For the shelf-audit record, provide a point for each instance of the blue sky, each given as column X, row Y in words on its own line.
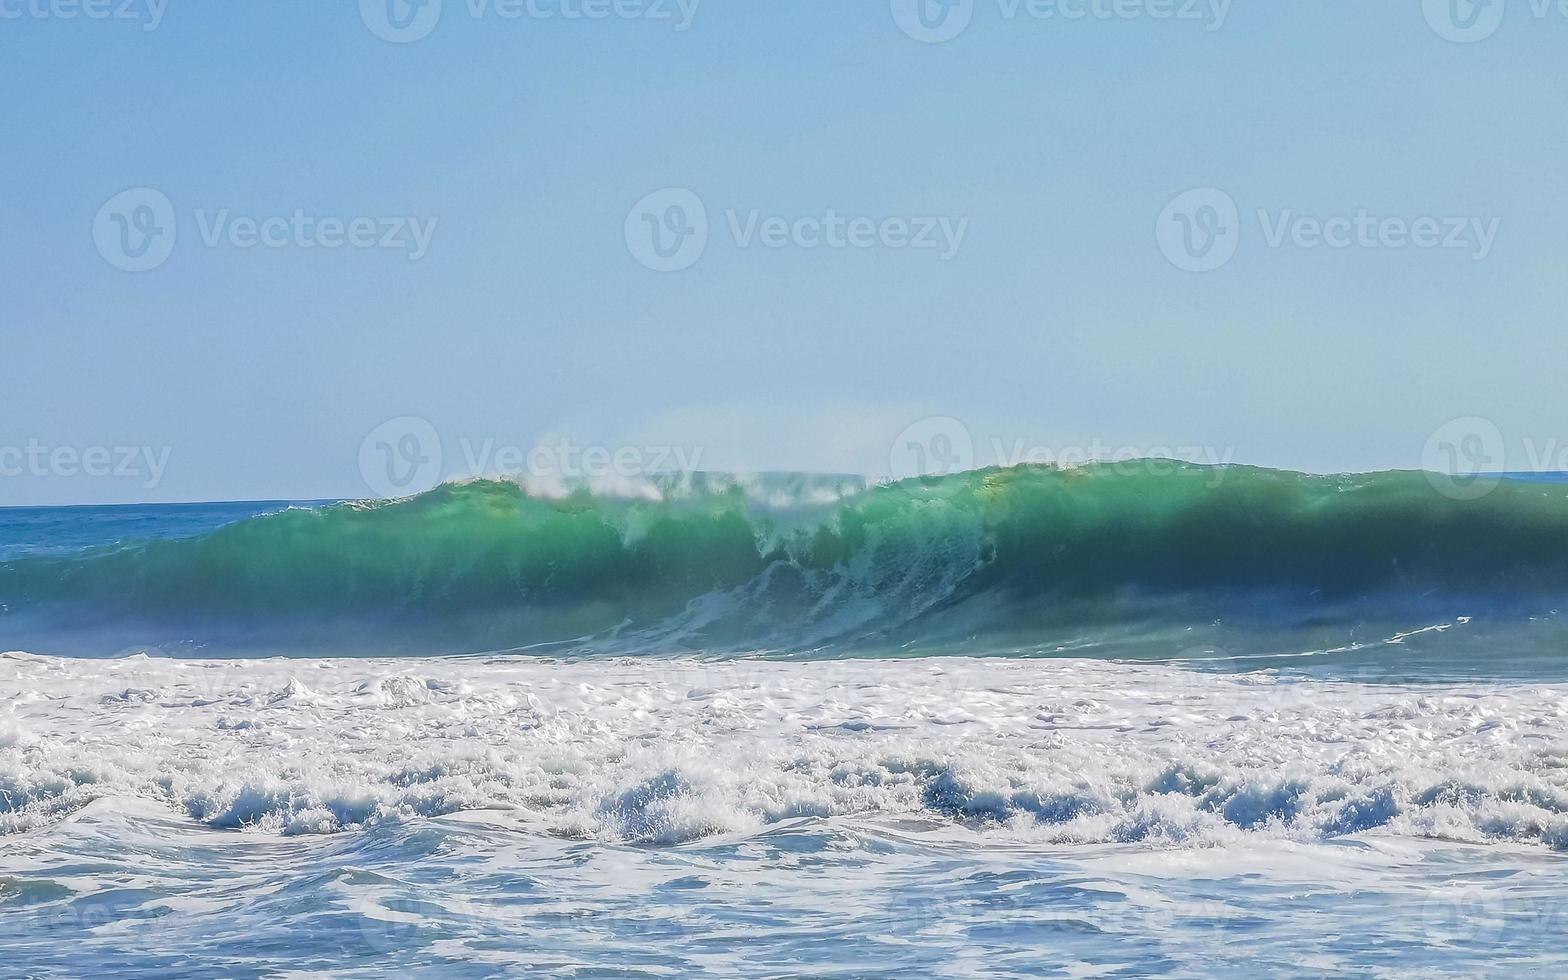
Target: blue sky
column 521, row 145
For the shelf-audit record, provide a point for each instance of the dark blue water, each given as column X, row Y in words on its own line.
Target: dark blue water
column 33, row 531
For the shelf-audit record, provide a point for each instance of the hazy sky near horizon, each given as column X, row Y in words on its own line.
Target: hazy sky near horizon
column 772, row 236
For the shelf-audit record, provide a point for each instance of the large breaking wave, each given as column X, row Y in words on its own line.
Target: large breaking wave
column 1009, row 557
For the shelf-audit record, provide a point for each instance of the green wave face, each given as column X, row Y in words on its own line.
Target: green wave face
column 717, row 566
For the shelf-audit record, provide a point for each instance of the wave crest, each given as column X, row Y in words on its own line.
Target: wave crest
column 722, row 564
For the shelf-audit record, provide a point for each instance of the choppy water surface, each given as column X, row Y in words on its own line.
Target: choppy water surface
column 957, row 816
column 124, row 889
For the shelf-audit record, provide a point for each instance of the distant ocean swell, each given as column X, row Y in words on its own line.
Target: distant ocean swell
column 723, row 565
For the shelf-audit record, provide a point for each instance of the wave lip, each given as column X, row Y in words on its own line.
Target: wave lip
column 723, row 564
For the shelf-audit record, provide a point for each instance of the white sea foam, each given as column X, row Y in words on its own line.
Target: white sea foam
column 664, row 751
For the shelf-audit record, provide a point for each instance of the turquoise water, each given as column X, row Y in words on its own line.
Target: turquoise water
column 1120, row 561
column 1014, row 723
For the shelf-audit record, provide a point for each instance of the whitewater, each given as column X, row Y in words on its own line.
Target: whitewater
column 1011, row 723
column 1120, row 816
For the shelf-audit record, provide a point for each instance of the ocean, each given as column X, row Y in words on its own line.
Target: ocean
column 1121, row 720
